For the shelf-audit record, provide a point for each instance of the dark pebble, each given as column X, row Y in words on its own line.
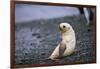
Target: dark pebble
column 34, row 34
column 20, row 63
column 23, row 61
column 38, row 36
column 43, row 54
column 32, row 44
column 89, row 29
column 26, row 53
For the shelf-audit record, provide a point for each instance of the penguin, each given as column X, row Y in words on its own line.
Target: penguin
column 68, row 41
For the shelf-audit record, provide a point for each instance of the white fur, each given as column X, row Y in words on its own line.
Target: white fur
column 68, row 37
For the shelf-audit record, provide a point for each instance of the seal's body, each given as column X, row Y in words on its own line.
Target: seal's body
column 67, row 45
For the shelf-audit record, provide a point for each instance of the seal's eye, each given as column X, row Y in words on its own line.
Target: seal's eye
column 64, row 26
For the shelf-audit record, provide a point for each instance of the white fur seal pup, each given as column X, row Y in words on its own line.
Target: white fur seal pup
column 67, row 45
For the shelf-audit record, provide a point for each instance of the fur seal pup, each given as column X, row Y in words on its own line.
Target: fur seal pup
column 67, row 44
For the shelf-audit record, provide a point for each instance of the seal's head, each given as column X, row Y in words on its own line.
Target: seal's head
column 65, row 27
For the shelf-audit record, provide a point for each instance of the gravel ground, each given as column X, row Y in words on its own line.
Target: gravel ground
column 35, row 41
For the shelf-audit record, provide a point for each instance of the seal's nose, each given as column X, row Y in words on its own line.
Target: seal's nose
column 60, row 28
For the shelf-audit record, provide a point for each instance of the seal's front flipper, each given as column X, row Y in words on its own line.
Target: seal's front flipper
column 62, row 49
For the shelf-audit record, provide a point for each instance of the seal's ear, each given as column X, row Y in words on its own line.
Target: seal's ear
column 68, row 28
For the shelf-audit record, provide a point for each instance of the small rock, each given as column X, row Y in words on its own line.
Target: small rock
column 38, row 36
column 34, row 34
column 89, row 29
column 42, row 53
